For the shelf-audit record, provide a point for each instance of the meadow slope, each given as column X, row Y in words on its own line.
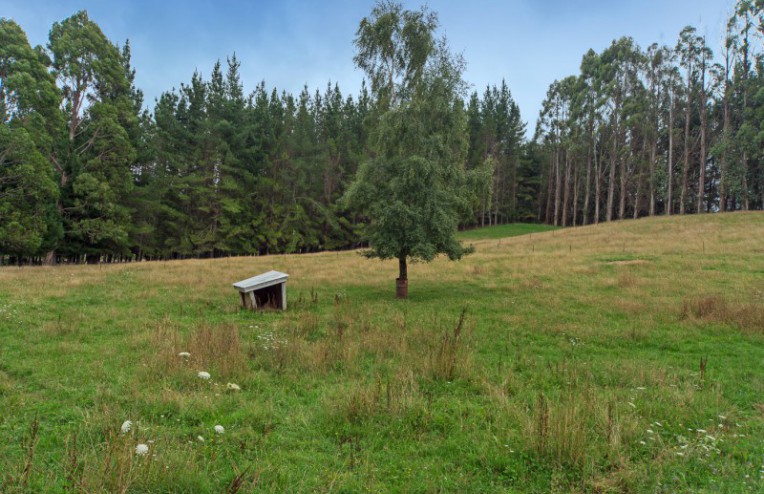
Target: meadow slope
column 623, row 357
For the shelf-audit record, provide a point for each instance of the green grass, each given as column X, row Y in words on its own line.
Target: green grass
column 577, row 368
column 504, row 231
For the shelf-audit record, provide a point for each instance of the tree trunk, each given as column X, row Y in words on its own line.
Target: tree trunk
column 576, row 178
column 548, row 212
column 670, row 164
column 587, row 186
column 402, row 283
column 686, row 166
column 653, row 158
column 622, row 194
column 566, row 192
column 703, row 126
column 723, row 161
column 744, row 185
column 635, row 214
column 557, row 186
column 613, row 158
column 597, row 185
column 611, row 182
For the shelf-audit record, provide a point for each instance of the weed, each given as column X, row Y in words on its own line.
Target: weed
column 449, row 354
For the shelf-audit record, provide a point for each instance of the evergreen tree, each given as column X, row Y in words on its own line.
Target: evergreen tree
column 28, row 116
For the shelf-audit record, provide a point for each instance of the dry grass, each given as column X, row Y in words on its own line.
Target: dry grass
column 213, row 348
column 716, row 308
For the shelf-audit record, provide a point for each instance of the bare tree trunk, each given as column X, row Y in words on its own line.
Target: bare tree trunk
column 703, row 127
column 622, row 198
column 723, row 161
column 566, row 193
column 635, row 215
column 597, row 185
column 638, row 193
column 611, row 178
column 670, row 164
column 686, row 165
column 402, row 282
column 744, row 185
column 557, row 186
column 549, row 186
column 587, row 186
column 576, row 186
column 653, row 158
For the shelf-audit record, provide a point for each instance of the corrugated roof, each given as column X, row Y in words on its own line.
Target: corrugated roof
column 261, row 281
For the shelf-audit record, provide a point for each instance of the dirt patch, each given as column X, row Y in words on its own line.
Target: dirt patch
column 628, row 263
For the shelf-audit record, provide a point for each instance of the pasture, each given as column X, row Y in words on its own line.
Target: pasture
column 623, row 357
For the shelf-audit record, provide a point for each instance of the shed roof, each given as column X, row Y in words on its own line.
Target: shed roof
column 261, row 281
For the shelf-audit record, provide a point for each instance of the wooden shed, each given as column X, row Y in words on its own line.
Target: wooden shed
column 264, row 291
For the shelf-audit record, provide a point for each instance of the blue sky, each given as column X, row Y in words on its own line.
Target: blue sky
column 291, row 43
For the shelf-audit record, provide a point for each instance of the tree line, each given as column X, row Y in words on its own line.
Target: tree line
column 662, row 130
column 87, row 173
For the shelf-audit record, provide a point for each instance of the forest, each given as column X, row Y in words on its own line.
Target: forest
column 89, row 173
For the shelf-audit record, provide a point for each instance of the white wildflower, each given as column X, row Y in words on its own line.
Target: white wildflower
column 200, row 439
column 679, row 453
column 643, row 443
column 700, row 431
column 126, row 426
column 204, row 375
column 650, row 431
column 184, row 354
column 142, row 450
column 219, row 429
column 233, row 387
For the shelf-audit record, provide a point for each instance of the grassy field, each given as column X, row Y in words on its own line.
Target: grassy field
column 626, row 357
column 503, row 231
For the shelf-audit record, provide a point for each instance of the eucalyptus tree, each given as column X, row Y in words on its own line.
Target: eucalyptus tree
column 705, row 57
column 549, row 131
column 588, row 106
column 656, row 68
column 414, row 187
column 670, row 82
column 393, row 47
column 747, row 14
column 723, row 80
column 687, row 49
column 619, row 78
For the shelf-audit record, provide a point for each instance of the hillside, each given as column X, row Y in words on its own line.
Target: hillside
column 623, row 357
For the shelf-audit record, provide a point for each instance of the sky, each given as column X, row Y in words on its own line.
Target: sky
column 293, row 43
